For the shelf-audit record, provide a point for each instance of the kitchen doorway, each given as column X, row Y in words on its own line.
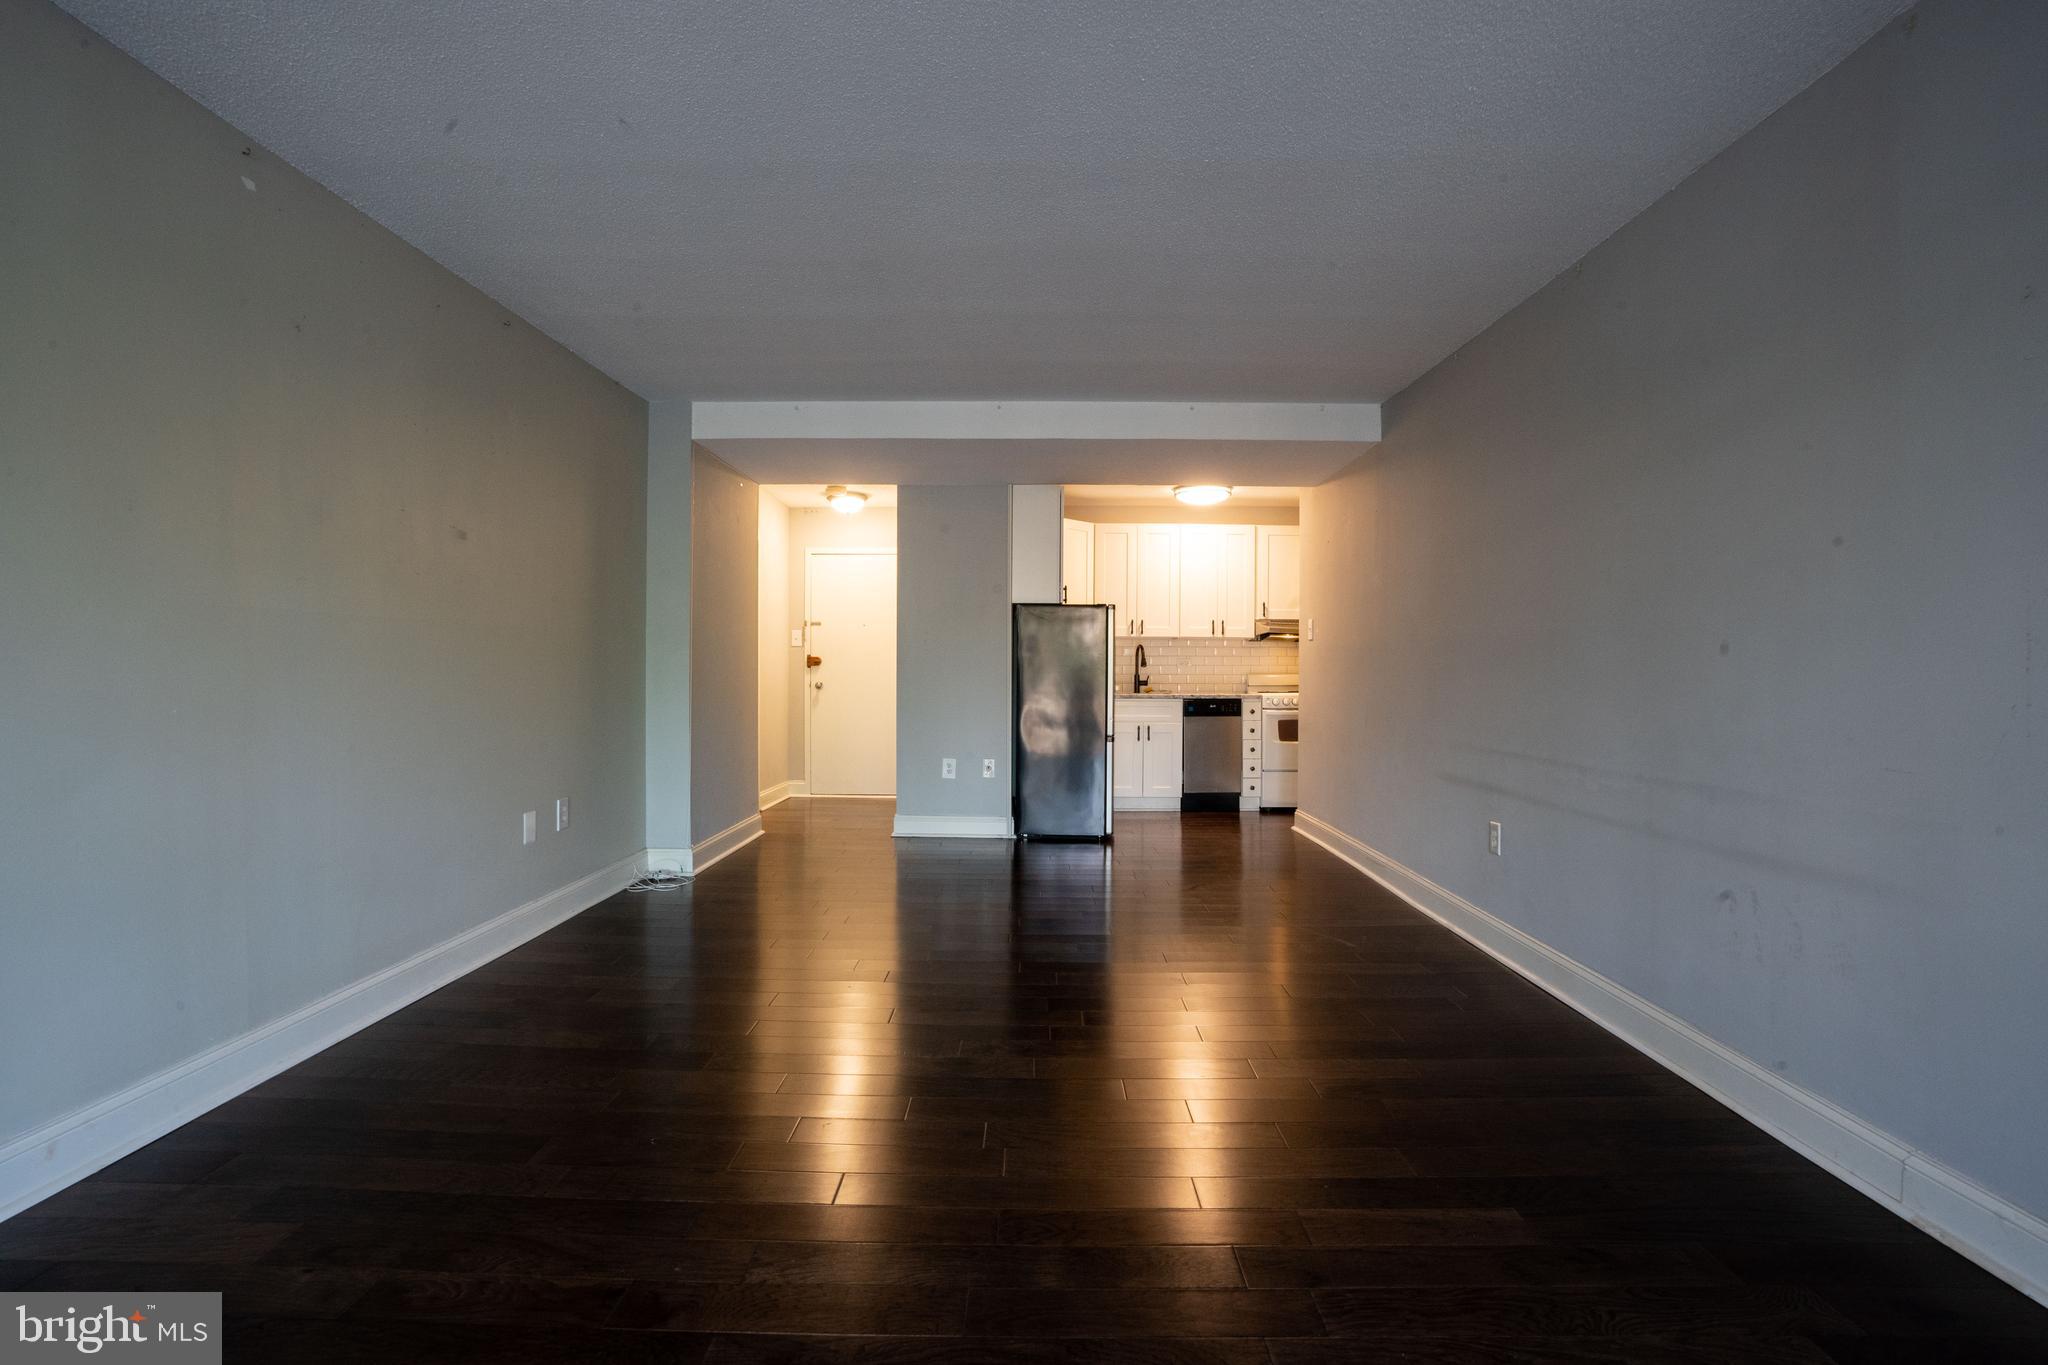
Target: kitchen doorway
column 850, row 670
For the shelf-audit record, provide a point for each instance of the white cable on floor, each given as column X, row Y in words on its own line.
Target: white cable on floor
column 661, row 879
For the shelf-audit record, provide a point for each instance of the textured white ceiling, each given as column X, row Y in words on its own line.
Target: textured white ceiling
column 1206, row 199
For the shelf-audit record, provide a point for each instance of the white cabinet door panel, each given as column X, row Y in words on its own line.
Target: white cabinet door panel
column 1127, row 760
column 1155, row 579
column 1237, row 601
column 1077, row 561
column 1279, row 553
column 1201, row 579
column 1162, row 759
column 1115, row 560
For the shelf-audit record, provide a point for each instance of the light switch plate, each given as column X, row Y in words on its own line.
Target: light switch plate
column 796, row 638
column 561, row 814
column 529, row 827
column 1493, row 837
column 1308, row 629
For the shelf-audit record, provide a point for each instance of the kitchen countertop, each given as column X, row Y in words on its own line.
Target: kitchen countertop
column 1181, row 696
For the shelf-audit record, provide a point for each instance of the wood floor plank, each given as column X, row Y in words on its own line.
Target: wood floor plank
column 1143, row 1313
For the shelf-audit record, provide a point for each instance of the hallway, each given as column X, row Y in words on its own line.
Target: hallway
column 1213, row 1089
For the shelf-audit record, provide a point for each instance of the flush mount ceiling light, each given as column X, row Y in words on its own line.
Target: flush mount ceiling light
column 1201, row 494
column 844, row 499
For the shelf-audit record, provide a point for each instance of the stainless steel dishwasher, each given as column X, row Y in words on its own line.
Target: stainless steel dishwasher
column 1210, row 746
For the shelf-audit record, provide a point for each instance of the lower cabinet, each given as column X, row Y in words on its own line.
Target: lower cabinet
column 1254, row 761
column 1147, row 755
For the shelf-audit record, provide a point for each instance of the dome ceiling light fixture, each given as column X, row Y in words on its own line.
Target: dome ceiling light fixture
column 844, row 499
column 1201, row 494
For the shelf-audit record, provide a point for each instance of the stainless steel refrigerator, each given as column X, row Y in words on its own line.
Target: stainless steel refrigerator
column 1060, row 660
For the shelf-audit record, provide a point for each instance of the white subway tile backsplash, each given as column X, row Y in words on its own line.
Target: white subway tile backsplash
column 1204, row 664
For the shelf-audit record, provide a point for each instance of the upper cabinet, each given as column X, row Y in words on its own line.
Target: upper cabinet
column 1216, row 589
column 1170, row 580
column 1279, row 572
column 1077, row 561
column 1155, row 587
column 1137, row 571
column 1115, row 564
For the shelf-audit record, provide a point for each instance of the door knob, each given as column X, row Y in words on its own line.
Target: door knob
column 812, row 661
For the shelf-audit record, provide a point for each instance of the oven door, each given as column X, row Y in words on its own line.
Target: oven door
column 1279, row 739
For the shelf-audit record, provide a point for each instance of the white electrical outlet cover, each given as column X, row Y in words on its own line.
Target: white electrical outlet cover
column 561, row 814
column 529, row 827
column 988, row 767
column 947, row 769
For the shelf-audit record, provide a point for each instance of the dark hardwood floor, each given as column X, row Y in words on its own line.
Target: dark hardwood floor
column 1212, row 1097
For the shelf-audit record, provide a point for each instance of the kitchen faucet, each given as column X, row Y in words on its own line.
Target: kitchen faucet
column 1139, row 682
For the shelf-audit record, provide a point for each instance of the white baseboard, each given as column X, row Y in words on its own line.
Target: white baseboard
column 776, row 795
column 678, row 860
column 1995, row 1233
column 729, row 840
column 38, row 1164
column 954, row 827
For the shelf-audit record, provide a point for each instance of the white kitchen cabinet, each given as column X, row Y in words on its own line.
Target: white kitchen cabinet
column 1077, row 561
column 1163, row 761
column 1216, row 581
column 1127, row 766
column 1240, row 586
column 1147, row 762
column 1137, row 571
column 1155, row 582
column 1248, row 797
column 1115, row 566
column 1279, row 572
column 1201, row 579
column 1185, row 580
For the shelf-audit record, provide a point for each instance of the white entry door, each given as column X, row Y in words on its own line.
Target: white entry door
column 850, row 696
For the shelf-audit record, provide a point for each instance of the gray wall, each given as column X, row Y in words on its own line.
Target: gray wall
column 772, row 661
column 1718, row 572
column 319, row 569
column 817, row 527
column 952, row 648
column 667, row 618
column 725, row 623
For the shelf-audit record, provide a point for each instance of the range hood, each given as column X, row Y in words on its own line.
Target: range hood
column 1276, row 628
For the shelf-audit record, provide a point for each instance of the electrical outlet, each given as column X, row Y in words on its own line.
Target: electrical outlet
column 988, row 767
column 529, row 827
column 561, row 813
column 948, row 769
column 1308, row 629
column 1493, row 837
